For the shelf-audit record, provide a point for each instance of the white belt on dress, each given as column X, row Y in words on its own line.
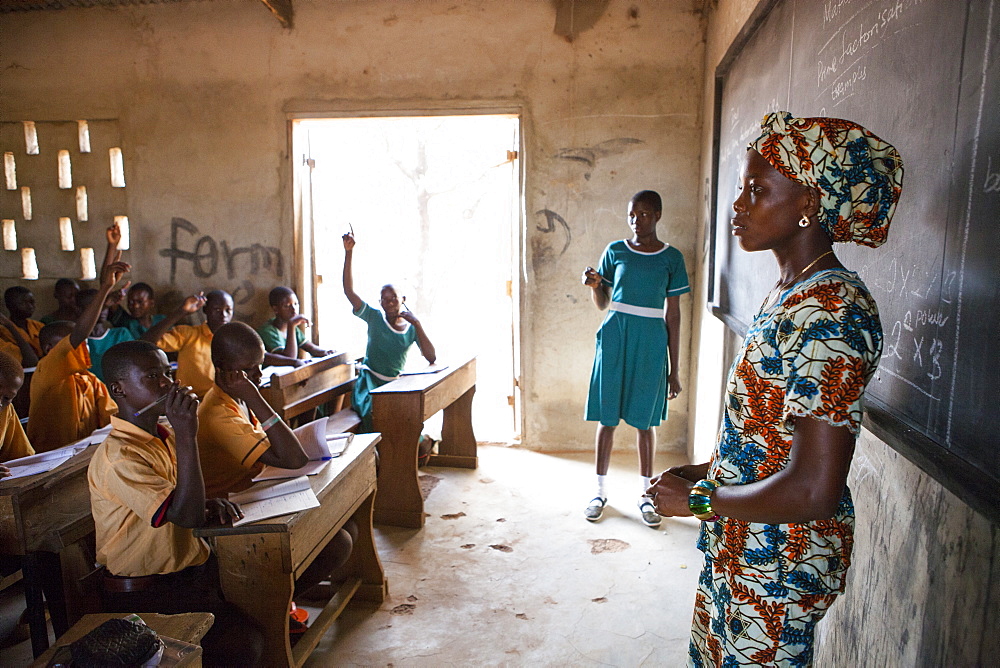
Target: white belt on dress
column 642, row 311
column 377, row 374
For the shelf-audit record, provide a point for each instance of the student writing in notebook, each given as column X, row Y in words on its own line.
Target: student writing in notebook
column 147, row 494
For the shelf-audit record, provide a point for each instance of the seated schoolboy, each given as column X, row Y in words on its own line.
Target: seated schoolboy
column 13, row 441
column 104, row 335
column 239, row 433
column 147, row 493
column 390, row 335
column 141, row 314
column 280, row 347
column 65, row 294
column 20, row 304
column 68, row 402
column 17, row 346
column 193, row 343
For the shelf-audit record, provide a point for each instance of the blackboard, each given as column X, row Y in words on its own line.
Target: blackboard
column 924, row 75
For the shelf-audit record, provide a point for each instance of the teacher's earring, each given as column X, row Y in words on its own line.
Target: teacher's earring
column 804, row 221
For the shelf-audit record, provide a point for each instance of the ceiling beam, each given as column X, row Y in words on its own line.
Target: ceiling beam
column 281, row 9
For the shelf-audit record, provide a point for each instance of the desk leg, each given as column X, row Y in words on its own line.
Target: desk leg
column 35, row 605
column 255, row 579
column 397, row 499
column 364, row 562
column 458, row 442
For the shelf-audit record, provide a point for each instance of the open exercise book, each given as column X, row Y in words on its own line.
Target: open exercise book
column 46, row 461
column 271, row 499
column 319, row 447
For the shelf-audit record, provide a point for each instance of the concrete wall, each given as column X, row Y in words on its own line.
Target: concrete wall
column 924, row 588
column 201, row 91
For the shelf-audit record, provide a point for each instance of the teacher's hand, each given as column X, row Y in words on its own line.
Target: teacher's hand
column 670, row 495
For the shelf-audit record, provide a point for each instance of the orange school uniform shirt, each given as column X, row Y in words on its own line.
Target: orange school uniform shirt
column 193, row 345
column 68, row 402
column 13, row 441
column 30, row 335
column 230, row 441
column 132, row 476
column 11, row 349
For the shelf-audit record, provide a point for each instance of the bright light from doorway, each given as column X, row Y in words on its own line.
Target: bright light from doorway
column 433, row 203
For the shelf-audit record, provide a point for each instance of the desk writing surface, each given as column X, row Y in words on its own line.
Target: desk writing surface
column 294, row 390
column 47, row 511
column 437, row 390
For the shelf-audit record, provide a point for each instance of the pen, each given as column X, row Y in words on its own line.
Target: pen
column 352, row 228
column 146, row 408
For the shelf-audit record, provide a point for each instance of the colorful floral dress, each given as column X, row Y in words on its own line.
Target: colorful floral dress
column 765, row 586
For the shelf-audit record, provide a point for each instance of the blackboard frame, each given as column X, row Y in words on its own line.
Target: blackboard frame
column 969, row 484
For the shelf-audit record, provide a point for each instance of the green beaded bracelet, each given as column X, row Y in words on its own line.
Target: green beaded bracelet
column 700, row 500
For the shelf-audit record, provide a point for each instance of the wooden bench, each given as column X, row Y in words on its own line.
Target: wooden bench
column 292, row 391
column 399, row 409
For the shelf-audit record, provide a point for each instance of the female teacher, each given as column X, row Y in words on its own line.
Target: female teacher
column 777, row 514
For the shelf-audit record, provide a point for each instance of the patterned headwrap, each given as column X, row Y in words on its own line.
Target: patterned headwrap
column 859, row 176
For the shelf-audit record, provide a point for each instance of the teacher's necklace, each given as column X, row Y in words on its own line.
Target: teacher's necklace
column 777, row 289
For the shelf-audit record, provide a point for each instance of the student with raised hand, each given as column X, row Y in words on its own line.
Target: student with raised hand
column 14, row 442
column 147, row 494
column 239, row 433
column 141, row 315
column 20, row 303
column 68, row 402
column 639, row 281
column 390, row 335
column 283, row 335
column 65, row 295
column 193, row 343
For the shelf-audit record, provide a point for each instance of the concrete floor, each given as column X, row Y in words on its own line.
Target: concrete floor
column 506, row 572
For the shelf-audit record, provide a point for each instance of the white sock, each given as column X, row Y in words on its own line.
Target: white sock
column 646, row 481
column 600, row 486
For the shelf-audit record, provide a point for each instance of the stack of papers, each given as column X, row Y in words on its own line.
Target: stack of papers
column 319, row 447
column 43, row 462
column 273, row 499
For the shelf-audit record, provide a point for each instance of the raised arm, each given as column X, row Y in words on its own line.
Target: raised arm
column 111, row 273
column 187, row 506
column 190, row 305
column 349, row 292
column 285, row 452
column 599, row 290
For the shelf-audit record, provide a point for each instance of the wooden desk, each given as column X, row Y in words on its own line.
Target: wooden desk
column 399, row 409
column 293, row 391
column 39, row 516
column 259, row 562
column 188, row 627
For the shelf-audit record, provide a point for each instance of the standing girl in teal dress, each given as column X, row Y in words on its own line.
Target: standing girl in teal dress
column 635, row 367
column 390, row 335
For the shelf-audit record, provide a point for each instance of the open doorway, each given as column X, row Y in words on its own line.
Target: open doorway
column 434, row 203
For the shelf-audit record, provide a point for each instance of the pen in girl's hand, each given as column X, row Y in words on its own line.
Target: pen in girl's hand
column 352, row 228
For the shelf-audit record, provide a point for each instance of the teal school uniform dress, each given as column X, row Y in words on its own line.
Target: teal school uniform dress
column 384, row 359
column 122, row 318
column 99, row 345
column 631, row 364
column 274, row 338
